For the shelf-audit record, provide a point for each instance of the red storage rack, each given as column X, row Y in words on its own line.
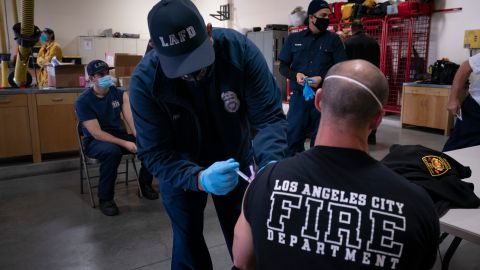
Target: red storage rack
column 404, row 49
column 404, row 54
column 394, row 56
column 419, row 53
column 374, row 27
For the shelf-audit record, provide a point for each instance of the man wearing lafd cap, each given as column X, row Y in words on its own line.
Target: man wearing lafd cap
column 204, row 105
column 308, row 55
column 99, row 110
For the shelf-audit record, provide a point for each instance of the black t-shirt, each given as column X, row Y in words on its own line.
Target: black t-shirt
column 338, row 208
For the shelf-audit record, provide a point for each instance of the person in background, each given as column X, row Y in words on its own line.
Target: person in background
column 308, row 54
column 334, row 206
column 362, row 46
column 466, row 131
column 99, row 110
column 195, row 98
column 50, row 48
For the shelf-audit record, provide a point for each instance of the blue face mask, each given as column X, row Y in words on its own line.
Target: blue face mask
column 105, row 82
column 43, row 38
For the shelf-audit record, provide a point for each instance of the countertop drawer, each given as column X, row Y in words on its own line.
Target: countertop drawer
column 7, row 101
column 56, row 98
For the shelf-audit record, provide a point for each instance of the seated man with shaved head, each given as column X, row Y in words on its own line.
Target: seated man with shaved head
column 334, row 206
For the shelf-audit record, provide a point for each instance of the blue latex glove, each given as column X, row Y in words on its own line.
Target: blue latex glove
column 220, row 178
column 307, row 90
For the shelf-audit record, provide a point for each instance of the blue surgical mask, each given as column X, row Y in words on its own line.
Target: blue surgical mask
column 43, row 38
column 105, row 82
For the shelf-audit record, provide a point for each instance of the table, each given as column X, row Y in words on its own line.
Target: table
column 463, row 223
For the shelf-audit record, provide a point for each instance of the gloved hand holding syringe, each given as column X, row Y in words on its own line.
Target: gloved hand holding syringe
column 244, row 176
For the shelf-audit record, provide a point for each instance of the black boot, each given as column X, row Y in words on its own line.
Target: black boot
column 148, row 192
column 108, row 208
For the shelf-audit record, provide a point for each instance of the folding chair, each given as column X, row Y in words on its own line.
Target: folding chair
column 86, row 162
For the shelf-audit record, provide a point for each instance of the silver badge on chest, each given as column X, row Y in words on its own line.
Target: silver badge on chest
column 231, row 101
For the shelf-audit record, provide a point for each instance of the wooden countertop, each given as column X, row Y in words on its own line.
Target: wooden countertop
column 413, row 84
column 16, row 91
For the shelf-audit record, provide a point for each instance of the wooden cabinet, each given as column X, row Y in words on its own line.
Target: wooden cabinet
column 426, row 106
column 56, row 122
column 14, row 126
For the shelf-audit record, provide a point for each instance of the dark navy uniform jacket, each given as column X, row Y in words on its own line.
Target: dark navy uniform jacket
column 363, row 46
column 183, row 126
column 312, row 55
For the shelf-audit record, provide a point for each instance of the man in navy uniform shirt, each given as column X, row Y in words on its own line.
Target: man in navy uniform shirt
column 308, row 54
column 98, row 109
column 362, row 46
column 197, row 99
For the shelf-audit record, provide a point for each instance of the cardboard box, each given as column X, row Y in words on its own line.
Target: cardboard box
column 66, row 76
column 124, row 71
column 124, row 82
column 124, row 63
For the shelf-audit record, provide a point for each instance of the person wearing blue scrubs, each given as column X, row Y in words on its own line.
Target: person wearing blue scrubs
column 308, row 54
column 204, row 105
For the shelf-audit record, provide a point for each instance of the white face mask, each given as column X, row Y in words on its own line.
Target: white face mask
column 363, row 86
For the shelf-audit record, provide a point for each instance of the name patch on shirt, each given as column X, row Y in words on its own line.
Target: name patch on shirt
column 115, row 104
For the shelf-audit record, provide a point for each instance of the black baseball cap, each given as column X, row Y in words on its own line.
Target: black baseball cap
column 316, row 5
column 180, row 36
column 48, row 30
column 96, row 66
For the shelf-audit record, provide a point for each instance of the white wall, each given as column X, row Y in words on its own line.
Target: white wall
column 447, row 29
column 250, row 13
column 71, row 18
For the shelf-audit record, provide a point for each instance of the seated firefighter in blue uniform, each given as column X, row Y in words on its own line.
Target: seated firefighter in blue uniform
column 99, row 110
column 195, row 98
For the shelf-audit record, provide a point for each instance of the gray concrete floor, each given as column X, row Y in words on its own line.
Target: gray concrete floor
column 45, row 223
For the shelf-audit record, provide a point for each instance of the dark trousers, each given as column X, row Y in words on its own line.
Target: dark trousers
column 466, row 132
column 303, row 119
column 185, row 209
column 110, row 155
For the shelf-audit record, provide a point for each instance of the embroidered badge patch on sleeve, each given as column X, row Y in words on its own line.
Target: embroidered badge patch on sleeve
column 231, row 101
column 436, row 165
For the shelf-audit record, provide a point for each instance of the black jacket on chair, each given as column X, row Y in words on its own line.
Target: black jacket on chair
column 435, row 171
